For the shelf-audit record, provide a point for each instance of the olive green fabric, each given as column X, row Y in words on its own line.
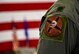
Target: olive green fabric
column 70, row 43
column 47, row 46
column 50, row 44
column 60, row 38
column 70, row 9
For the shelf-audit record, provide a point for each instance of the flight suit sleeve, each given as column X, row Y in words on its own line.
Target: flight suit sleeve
column 52, row 35
column 76, row 49
column 53, row 27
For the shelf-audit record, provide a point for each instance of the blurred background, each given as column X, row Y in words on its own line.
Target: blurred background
column 19, row 25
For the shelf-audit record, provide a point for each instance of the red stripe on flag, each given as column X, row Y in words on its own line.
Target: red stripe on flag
column 7, row 46
column 25, row 6
column 19, row 25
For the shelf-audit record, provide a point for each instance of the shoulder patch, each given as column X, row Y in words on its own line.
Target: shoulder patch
column 54, row 28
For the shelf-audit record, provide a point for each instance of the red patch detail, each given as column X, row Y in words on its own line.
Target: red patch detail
column 53, row 26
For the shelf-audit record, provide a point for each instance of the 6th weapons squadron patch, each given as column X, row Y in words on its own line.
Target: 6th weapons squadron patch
column 54, row 28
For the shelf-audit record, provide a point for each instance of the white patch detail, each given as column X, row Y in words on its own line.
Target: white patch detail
column 53, row 24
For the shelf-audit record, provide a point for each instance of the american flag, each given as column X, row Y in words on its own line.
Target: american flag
column 16, row 10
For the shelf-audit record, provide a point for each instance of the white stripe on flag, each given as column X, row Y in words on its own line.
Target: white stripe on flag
column 32, row 34
column 7, row 35
column 21, row 15
column 25, row 1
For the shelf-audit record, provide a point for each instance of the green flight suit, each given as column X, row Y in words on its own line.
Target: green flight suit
column 68, row 40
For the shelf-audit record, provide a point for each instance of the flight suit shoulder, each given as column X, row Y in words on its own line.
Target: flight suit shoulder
column 54, row 28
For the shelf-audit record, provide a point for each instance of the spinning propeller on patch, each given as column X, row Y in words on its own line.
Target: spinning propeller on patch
column 53, row 26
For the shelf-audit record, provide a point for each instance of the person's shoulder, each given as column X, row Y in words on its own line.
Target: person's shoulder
column 53, row 27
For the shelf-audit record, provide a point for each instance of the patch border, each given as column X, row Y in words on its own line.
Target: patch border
column 60, row 38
